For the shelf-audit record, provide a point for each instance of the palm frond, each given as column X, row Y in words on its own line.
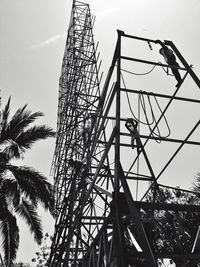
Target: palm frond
column 19, row 121
column 5, row 115
column 27, row 138
column 27, row 211
column 16, row 135
column 9, row 149
column 10, row 189
column 10, row 237
column 10, row 129
column 34, row 185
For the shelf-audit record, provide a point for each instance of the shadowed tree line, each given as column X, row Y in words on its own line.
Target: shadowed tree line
column 22, row 188
column 175, row 231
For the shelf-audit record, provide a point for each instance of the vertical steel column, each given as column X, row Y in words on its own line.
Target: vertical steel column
column 117, row 223
column 118, row 100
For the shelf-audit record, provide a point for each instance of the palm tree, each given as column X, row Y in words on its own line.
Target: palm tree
column 21, row 188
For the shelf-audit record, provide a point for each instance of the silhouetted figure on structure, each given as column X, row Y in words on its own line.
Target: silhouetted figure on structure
column 131, row 125
column 76, row 164
column 86, row 129
column 170, row 58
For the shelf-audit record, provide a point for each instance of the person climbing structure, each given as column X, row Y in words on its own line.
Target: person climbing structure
column 170, row 59
column 76, row 164
column 131, row 125
column 86, row 128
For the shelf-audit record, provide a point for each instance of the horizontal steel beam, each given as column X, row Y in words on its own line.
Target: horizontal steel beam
column 151, row 62
column 137, row 38
column 164, row 206
column 160, row 95
column 93, row 218
column 163, row 139
column 135, row 177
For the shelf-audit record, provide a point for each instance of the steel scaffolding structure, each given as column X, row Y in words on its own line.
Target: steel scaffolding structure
column 100, row 159
column 76, row 156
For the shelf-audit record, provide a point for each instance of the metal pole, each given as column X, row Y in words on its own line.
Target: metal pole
column 117, row 224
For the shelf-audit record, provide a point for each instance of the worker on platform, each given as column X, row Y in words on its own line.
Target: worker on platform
column 170, row 58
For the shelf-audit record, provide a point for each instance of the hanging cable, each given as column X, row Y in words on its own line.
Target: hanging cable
column 145, row 73
column 144, row 110
column 129, row 104
column 143, row 105
column 169, row 131
column 153, row 117
column 166, row 122
column 165, row 119
column 157, row 127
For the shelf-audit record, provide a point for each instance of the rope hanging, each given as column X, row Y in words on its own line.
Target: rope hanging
column 145, row 73
column 148, row 72
column 147, row 122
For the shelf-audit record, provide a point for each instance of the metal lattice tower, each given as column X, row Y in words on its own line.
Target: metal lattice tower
column 78, row 96
column 76, row 156
column 99, row 164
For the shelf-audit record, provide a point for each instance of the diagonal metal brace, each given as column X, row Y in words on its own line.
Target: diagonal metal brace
column 144, row 244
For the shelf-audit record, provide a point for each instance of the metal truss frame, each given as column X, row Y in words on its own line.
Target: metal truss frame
column 76, row 157
column 98, row 221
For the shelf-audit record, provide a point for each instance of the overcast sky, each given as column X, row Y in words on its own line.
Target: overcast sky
column 32, row 41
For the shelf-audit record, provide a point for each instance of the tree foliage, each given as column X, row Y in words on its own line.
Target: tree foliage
column 22, row 188
column 41, row 256
column 172, row 231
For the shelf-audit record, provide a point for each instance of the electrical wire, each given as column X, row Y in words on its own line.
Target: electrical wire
column 153, row 116
column 143, row 105
column 165, row 119
column 145, row 73
column 129, row 103
column 169, row 131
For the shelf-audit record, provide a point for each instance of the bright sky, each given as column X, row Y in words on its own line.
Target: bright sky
column 32, row 44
